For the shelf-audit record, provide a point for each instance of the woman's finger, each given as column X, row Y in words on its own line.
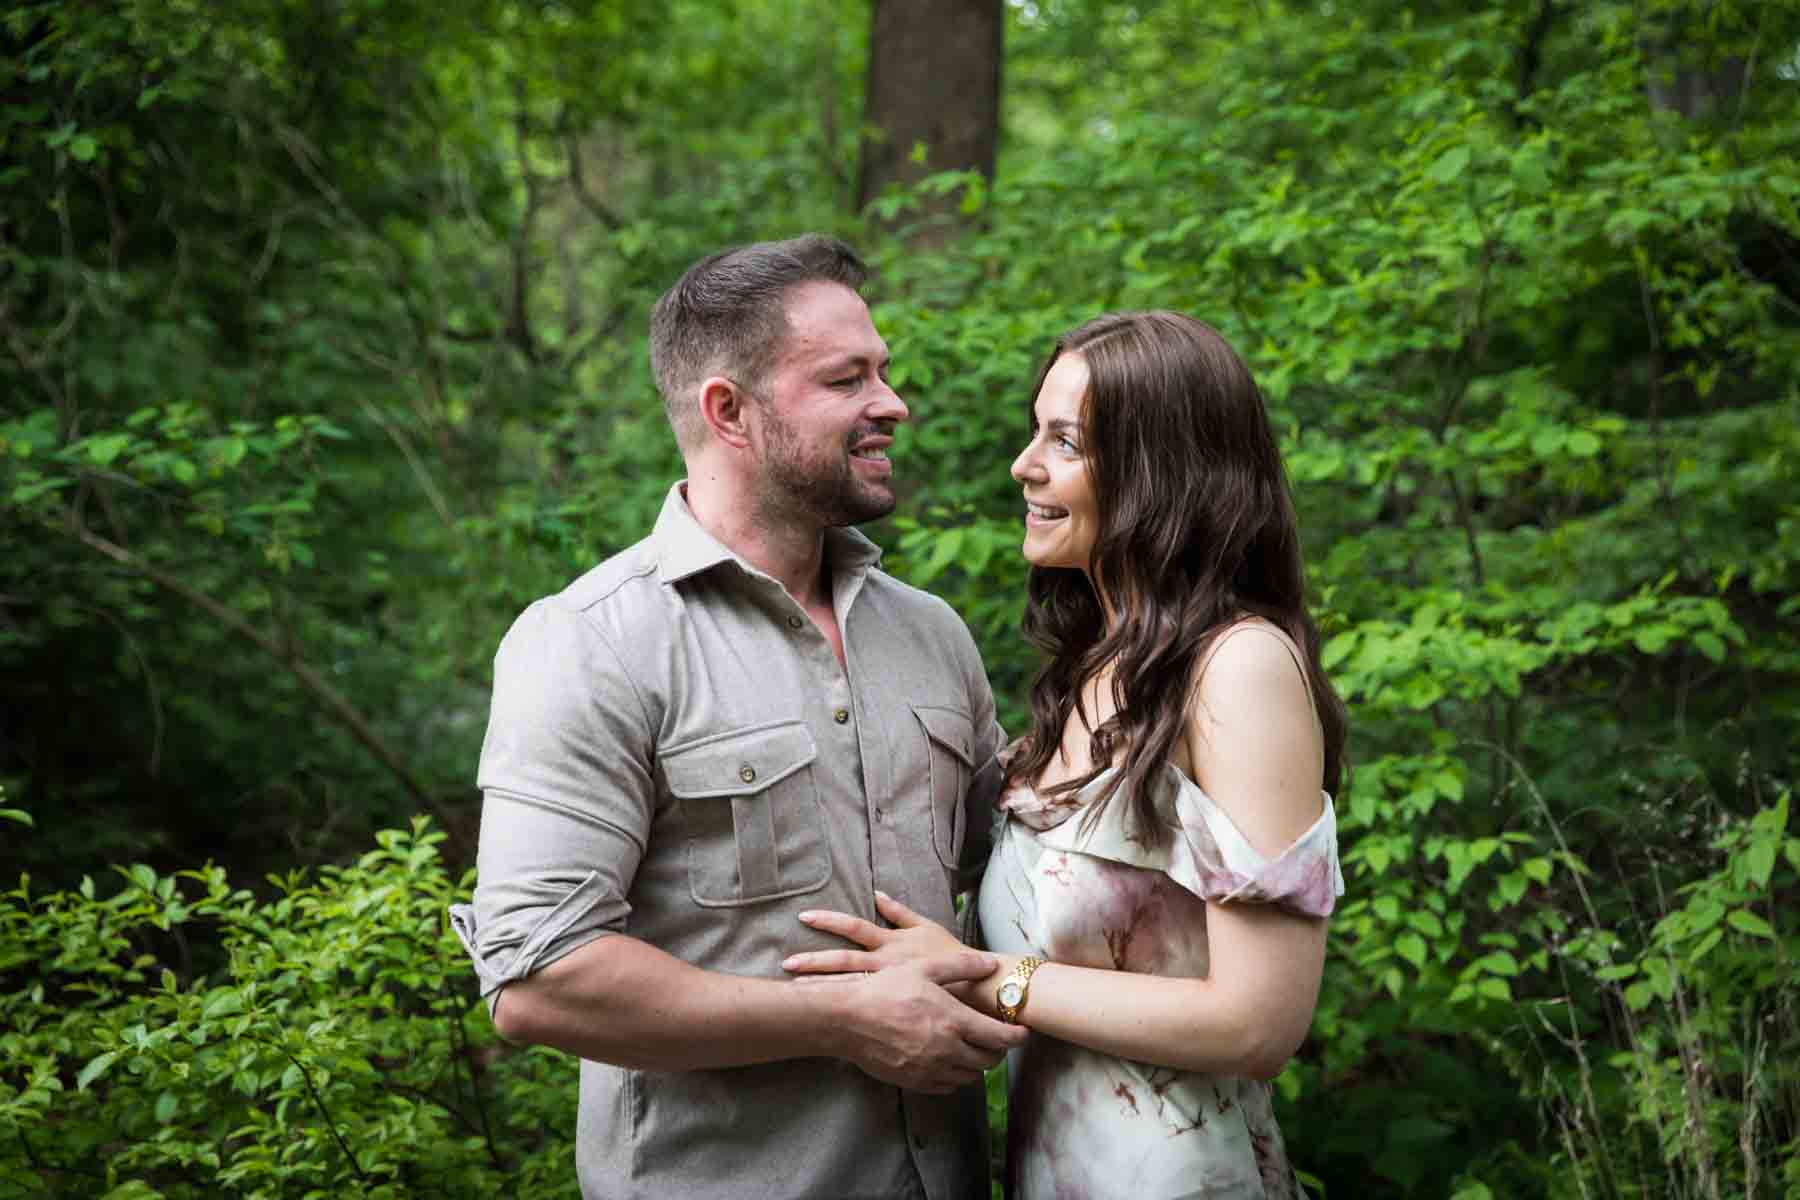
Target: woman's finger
column 898, row 915
column 864, row 933
column 830, row 962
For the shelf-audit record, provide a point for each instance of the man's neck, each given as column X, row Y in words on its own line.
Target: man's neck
column 790, row 552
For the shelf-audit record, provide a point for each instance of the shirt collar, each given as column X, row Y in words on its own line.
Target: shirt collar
column 684, row 549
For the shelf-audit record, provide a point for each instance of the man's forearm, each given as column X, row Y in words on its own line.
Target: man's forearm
column 622, row 1001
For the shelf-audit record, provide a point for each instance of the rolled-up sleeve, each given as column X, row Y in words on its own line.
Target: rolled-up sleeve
column 567, row 798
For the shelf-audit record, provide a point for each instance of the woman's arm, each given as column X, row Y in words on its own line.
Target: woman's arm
column 1255, row 749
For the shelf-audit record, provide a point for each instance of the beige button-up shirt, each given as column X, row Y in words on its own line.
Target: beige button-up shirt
column 674, row 753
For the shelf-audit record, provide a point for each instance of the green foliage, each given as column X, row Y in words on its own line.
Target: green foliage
column 336, row 1047
column 324, row 354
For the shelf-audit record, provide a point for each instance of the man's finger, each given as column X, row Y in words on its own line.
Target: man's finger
column 864, row 933
column 959, row 968
column 822, row 962
column 985, row 1033
column 970, row 1057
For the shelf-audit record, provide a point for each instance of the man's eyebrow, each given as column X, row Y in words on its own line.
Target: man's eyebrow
column 838, row 362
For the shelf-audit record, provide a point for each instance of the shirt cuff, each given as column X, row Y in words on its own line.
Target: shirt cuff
column 500, row 960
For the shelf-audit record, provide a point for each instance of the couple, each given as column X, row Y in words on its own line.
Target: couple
column 735, row 776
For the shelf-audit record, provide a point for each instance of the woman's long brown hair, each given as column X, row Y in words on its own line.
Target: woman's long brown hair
column 1196, row 528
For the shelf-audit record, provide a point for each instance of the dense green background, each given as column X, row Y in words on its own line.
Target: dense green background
column 322, row 353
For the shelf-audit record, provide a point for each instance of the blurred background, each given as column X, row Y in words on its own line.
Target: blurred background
column 322, row 353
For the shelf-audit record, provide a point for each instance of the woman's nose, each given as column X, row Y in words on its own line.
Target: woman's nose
column 1024, row 467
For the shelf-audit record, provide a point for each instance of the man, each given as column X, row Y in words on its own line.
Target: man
column 735, row 721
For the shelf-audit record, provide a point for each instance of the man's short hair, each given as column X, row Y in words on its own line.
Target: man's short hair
column 727, row 315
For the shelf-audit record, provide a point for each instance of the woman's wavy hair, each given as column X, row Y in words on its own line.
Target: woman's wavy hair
column 1196, row 527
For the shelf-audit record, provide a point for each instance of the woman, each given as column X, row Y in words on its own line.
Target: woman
column 1158, row 890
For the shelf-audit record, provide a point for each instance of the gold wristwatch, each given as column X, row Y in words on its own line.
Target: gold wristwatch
column 1009, row 997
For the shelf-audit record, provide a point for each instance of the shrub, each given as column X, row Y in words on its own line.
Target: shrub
column 181, row 1037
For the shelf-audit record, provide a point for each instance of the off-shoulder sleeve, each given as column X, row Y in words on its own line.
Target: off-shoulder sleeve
column 1212, row 859
column 1207, row 854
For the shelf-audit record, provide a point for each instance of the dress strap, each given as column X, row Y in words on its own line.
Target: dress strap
column 1280, row 635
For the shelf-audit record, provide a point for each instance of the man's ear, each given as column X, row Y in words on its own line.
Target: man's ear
column 725, row 408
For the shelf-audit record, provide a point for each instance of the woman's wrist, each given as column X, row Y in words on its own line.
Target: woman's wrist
column 980, row 994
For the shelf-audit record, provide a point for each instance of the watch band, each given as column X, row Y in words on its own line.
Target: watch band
column 1010, row 996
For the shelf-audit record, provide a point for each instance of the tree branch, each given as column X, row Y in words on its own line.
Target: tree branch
column 578, row 183
column 329, row 698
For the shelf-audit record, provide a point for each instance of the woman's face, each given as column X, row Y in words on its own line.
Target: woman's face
column 1061, row 516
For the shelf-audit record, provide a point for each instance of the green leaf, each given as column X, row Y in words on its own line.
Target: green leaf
column 1759, row 861
column 223, row 1003
column 1711, row 645
column 1449, row 165
column 1426, row 922
column 167, row 1105
column 1411, row 947
column 83, row 147
column 103, row 450
column 1499, row 962
column 1705, row 944
column 16, row 814
column 96, row 1067
column 1337, row 650
column 1745, row 921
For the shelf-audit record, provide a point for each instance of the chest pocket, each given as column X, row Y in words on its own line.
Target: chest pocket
column 949, row 736
column 749, row 811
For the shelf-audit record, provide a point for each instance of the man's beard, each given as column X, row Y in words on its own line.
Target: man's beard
column 822, row 487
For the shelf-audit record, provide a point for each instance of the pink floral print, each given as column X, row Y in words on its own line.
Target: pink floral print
column 1084, row 1124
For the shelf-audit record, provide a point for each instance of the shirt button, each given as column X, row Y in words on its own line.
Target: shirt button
column 841, row 716
column 747, row 773
column 794, row 622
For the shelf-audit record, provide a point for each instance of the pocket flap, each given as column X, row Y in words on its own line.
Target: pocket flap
column 949, row 728
column 738, row 763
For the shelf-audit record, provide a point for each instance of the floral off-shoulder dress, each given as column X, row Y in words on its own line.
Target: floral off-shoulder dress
column 1082, row 1125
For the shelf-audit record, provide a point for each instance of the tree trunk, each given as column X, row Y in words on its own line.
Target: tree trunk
column 933, row 93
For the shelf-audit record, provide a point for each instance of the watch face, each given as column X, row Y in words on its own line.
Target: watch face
column 1011, row 993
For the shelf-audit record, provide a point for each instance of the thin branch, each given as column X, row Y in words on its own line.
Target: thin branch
column 329, row 698
column 319, row 1102
column 578, row 183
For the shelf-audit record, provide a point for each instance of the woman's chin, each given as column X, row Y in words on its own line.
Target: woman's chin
column 1046, row 558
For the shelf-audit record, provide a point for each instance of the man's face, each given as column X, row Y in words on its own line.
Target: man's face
column 825, row 415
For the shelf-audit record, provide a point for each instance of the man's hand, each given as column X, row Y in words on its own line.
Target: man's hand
column 902, row 1027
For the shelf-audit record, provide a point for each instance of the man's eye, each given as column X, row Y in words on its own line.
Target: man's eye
column 848, row 382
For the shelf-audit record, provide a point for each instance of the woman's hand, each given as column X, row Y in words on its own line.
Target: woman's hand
column 913, row 938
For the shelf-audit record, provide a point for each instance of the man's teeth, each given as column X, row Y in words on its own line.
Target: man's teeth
column 879, row 454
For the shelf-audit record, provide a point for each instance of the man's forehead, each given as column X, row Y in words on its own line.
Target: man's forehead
column 829, row 321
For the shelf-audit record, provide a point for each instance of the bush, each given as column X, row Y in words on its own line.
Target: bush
column 181, row 1037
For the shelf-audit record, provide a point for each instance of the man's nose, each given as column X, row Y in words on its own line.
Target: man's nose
column 888, row 405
